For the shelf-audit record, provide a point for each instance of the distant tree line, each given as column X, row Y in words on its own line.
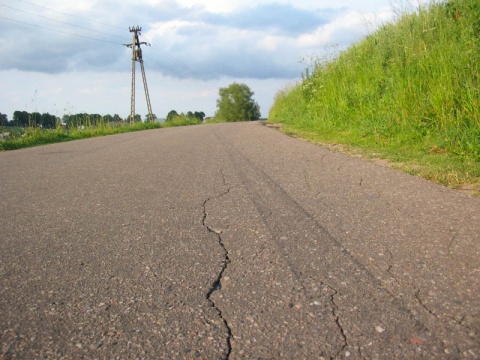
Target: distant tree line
column 25, row 119
column 189, row 116
column 236, row 103
column 84, row 119
column 138, row 118
column 48, row 121
column 3, row 120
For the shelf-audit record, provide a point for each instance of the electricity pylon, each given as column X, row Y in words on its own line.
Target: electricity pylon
column 137, row 56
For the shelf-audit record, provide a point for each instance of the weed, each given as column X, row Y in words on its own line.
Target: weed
column 410, row 91
column 30, row 137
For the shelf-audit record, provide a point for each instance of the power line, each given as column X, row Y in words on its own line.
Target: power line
column 171, row 69
column 179, row 68
column 59, row 31
column 60, row 21
column 75, row 16
column 184, row 66
column 174, row 71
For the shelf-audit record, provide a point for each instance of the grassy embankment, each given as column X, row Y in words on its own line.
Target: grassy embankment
column 408, row 93
column 35, row 136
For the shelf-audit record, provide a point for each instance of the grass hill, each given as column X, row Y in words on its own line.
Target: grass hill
column 408, row 93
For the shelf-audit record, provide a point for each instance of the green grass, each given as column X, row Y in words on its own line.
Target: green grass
column 181, row 120
column 30, row 137
column 408, row 93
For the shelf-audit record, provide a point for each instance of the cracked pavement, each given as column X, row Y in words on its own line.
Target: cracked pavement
column 231, row 241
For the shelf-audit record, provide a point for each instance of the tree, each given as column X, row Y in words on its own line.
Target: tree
column 48, row 121
column 236, row 104
column 35, row 119
column 20, row 118
column 171, row 115
column 3, row 120
column 136, row 118
column 95, row 119
column 200, row 115
column 107, row 118
column 147, row 117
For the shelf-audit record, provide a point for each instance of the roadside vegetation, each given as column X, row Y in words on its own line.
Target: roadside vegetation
column 408, row 93
column 236, row 103
column 19, row 138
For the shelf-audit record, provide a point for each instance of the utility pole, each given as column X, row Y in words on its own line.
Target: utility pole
column 137, row 56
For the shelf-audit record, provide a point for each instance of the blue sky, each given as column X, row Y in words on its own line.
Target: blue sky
column 68, row 57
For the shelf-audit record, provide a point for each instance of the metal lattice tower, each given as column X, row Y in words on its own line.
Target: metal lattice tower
column 137, row 56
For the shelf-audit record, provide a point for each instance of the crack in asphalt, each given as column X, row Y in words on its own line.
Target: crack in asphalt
column 224, row 179
column 335, row 310
column 390, row 265
column 217, row 283
column 417, row 291
column 250, row 178
column 417, row 296
column 306, row 182
column 431, row 312
column 450, row 246
column 389, row 271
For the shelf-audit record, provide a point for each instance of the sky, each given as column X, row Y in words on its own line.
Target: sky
column 67, row 57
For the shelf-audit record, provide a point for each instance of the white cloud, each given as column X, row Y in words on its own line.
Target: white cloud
column 216, row 7
column 270, row 42
column 351, row 26
column 197, row 47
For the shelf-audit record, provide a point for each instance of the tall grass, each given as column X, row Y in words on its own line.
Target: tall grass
column 182, row 120
column 410, row 91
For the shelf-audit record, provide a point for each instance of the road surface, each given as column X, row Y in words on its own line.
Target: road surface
column 231, row 241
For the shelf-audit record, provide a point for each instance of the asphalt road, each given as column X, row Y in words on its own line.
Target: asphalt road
column 231, row 241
